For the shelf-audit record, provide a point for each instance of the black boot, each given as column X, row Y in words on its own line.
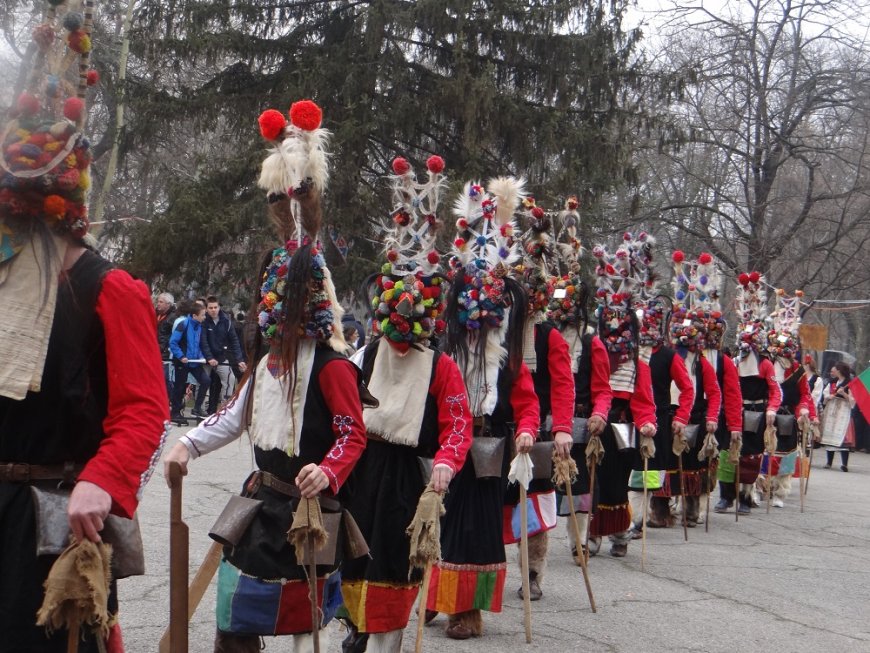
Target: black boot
column 355, row 642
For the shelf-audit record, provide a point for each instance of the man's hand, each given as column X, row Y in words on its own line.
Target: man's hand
column 677, row 429
column 596, row 426
column 89, row 505
column 441, row 476
column 771, row 418
column 712, row 426
column 184, row 359
column 564, row 442
column 243, row 367
column 647, row 430
column 524, row 442
column 213, row 362
column 804, row 412
column 737, row 436
column 178, row 454
column 311, row 480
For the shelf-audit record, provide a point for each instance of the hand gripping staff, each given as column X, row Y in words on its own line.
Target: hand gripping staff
column 708, row 451
column 308, row 534
column 425, row 533
column 679, row 446
column 521, row 472
column 594, row 456
column 564, row 473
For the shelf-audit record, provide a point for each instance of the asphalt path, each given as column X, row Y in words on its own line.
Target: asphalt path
column 784, row 581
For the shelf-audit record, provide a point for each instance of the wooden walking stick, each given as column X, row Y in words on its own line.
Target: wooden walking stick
column 72, row 638
column 421, row 607
column 709, row 492
column 643, row 513
column 308, row 535
column 524, row 563
column 737, row 489
column 424, row 532
column 178, row 562
column 312, row 591
column 683, row 496
column 565, row 470
column 592, row 468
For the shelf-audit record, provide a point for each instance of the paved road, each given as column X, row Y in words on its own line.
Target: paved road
column 780, row 582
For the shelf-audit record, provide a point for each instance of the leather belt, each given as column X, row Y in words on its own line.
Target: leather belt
column 25, row 473
column 290, row 490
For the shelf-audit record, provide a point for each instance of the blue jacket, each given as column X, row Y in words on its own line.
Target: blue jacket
column 184, row 342
column 219, row 340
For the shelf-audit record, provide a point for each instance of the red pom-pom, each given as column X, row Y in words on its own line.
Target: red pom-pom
column 306, row 115
column 743, row 279
column 462, row 224
column 572, row 203
column 440, row 325
column 54, row 206
column 678, row 256
column 400, row 165
column 392, row 256
column 73, row 109
column 754, row 277
column 626, row 236
column 537, row 212
column 705, row 258
column 93, row 77
column 433, row 257
column 272, row 124
column 28, row 104
column 459, row 243
column 435, row 164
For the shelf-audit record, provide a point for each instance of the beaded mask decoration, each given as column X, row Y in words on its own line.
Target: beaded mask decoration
column 539, row 264
column 484, row 250
column 569, row 291
column 783, row 340
column 409, row 300
column 750, row 304
column 697, row 321
column 44, row 156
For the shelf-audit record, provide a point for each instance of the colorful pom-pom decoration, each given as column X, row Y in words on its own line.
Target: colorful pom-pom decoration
column 93, row 77
column 54, row 206
column 754, row 277
column 306, row 115
column 272, row 124
column 678, row 256
column 435, row 164
column 705, row 258
column 28, row 104
column 73, row 109
column 73, row 21
column 743, row 279
column 401, row 165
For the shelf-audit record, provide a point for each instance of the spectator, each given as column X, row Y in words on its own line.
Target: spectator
column 838, row 398
column 816, row 383
column 351, row 336
column 187, row 358
column 349, row 320
column 220, row 346
column 165, row 310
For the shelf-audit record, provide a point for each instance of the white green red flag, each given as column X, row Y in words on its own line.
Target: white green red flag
column 860, row 389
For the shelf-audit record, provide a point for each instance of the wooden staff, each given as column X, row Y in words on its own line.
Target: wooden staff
column 769, row 479
column 683, row 497
column 421, row 608
column 178, row 562
column 737, row 488
column 524, row 563
column 72, row 639
column 709, row 491
column 592, row 467
column 643, row 513
column 312, row 591
column 576, row 525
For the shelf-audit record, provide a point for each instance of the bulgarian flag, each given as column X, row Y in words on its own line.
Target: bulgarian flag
column 860, row 389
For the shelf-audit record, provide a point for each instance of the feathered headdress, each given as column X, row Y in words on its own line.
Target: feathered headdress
column 697, row 318
column 45, row 158
column 750, row 303
column 409, row 299
column 783, row 340
column 539, row 264
column 484, row 249
column 655, row 307
column 294, row 175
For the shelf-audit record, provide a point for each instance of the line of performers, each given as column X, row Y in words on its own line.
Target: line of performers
column 473, row 360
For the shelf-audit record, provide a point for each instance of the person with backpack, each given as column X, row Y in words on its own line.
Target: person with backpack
column 187, row 358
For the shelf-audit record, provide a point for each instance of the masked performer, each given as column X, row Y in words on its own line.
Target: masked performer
column 619, row 277
column 545, row 353
column 79, row 434
column 696, row 286
column 422, row 413
column 485, row 316
column 590, row 368
column 301, row 405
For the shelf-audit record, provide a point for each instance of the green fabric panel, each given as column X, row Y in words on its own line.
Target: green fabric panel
column 228, row 580
column 726, row 472
column 654, row 479
column 486, row 583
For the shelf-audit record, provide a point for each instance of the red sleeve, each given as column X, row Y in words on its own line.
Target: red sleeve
column 806, row 400
column 135, row 426
column 643, row 406
column 733, row 396
column 338, row 383
column 774, row 392
column 454, row 416
column 561, row 383
column 524, row 402
column 602, row 393
column 711, row 390
column 680, row 376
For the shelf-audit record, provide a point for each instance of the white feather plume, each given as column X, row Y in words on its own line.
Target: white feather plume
column 508, row 193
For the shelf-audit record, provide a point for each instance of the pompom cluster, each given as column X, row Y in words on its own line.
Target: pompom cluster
column 482, row 300
column 319, row 316
column 408, row 308
column 304, row 114
column 652, row 329
column 567, row 310
column 45, row 172
column 782, row 344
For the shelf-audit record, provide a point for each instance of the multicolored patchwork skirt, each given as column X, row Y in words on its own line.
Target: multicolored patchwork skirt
column 541, row 516
column 460, row 588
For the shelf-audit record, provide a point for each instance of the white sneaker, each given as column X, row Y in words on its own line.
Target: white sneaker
column 776, row 502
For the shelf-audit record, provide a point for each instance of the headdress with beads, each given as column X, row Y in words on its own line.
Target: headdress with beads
column 44, row 155
column 294, row 175
column 783, row 340
column 655, row 308
column 750, row 304
column 539, row 263
column 409, row 298
column 696, row 321
column 569, row 292
column 484, row 249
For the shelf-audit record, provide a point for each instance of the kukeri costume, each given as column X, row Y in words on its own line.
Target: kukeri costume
column 308, row 414
column 545, row 353
column 73, row 327
column 485, row 316
column 619, row 277
column 422, row 413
